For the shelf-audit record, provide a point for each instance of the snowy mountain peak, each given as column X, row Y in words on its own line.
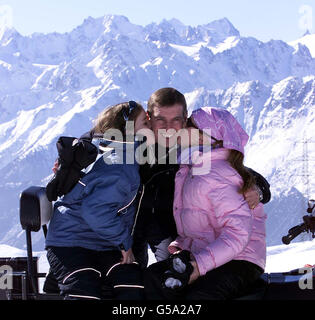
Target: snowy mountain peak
column 308, row 40
column 176, row 23
column 120, row 25
column 6, row 34
column 213, row 33
column 306, row 33
column 303, row 50
column 109, row 20
column 223, row 27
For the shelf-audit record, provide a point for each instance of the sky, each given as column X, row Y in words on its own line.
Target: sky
column 285, row 20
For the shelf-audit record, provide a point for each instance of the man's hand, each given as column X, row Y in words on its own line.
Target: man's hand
column 195, row 274
column 127, row 257
column 252, row 197
column 55, row 167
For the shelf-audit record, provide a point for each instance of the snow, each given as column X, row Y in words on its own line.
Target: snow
column 227, row 44
column 308, row 40
column 56, row 84
column 193, row 50
column 189, row 50
column 289, row 257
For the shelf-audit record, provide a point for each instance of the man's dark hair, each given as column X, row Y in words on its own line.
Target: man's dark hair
column 166, row 97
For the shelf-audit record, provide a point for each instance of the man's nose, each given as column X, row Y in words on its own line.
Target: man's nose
column 168, row 126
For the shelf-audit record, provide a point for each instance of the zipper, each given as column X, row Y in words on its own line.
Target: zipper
column 130, row 203
column 156, row 174
column 155, row 197
column 137, row 213
column 141, row 197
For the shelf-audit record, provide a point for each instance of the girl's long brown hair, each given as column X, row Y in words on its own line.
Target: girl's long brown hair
column 236, row 160
column 112, row 118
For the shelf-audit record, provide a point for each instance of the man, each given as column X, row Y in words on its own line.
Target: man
column 167, row 112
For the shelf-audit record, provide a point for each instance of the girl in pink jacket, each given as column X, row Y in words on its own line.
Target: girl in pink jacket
column 223, row 237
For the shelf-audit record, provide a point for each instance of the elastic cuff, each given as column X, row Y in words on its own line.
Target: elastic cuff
column 126, row 244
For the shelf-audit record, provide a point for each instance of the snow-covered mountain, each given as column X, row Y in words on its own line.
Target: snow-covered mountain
column 56, row 84
column 307, row 40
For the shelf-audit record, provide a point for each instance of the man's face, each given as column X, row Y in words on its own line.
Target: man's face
column 166, row 121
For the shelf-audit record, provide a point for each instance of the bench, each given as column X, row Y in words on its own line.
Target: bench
column 35, row 213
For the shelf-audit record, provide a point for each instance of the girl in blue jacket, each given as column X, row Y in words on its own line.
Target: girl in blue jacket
column 90, row 234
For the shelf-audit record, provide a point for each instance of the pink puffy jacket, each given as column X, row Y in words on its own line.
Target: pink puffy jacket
column 213, row 220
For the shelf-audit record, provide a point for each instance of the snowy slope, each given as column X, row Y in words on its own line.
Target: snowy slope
column 307, row 40
column 294, row 256
column 56, row 84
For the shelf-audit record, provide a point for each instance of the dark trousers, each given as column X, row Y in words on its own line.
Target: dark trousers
column 87, row 274
column 159, row 247
column 229, row 281
column 148, row 232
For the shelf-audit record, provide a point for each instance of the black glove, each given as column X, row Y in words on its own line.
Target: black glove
column 179, row 271
column 74, row 155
